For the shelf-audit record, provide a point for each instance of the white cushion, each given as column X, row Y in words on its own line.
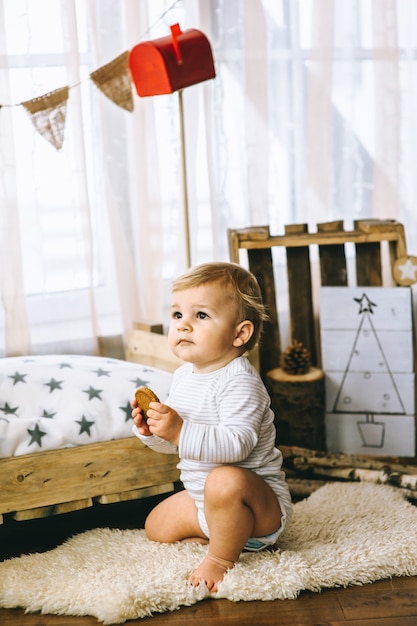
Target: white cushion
column 57, row 401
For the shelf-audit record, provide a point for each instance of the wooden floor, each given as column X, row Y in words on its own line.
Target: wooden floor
column 385, row 603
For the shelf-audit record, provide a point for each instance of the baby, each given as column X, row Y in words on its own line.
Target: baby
column 217, row 417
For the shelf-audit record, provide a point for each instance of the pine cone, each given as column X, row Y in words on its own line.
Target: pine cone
column 296, row 359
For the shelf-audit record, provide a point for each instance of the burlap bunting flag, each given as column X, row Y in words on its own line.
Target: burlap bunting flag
column 48, row 114
column 115, row 82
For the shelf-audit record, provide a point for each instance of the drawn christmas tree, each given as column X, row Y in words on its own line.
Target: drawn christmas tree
column 360, row 391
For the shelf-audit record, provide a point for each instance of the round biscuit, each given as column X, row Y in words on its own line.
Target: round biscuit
column 144, row 396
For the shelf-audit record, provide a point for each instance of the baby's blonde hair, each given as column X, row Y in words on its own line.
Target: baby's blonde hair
column 240, row 285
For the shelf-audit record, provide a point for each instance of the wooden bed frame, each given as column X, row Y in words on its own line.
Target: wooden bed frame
column 58, row 481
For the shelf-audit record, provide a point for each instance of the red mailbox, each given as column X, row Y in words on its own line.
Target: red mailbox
column 171, row 63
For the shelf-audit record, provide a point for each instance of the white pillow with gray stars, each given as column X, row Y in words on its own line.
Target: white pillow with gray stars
column 50, row 402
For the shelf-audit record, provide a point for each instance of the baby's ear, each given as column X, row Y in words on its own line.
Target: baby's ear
column 244, row 332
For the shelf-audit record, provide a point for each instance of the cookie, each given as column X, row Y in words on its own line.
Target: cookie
column 144, row 396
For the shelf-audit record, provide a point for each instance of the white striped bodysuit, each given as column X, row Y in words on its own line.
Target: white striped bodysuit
column 227, row 419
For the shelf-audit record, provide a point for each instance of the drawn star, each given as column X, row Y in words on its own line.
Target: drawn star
column 36, row 435
column 18, row 378
column 93, row 393
column 63, row 364
column 8, row 410
column 365, row 304
column 48, row 415
column 85, row 426
column 139, row 382
column 127, row 409
column 408, row 270
column 54, row 384
column 101, row 372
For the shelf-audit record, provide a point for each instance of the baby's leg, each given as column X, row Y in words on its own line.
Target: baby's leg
column 175, row 519
column 238, row 504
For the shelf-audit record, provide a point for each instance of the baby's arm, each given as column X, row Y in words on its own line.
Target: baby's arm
column 240, row 411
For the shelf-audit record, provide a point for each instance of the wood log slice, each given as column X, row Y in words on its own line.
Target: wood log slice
column 299, row 406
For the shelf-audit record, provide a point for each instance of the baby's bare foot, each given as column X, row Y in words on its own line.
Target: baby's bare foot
column 211, row 571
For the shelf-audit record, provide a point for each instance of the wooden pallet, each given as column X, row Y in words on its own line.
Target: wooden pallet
column 377, row 246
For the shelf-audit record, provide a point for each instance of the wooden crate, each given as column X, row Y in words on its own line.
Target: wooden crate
column 150, row 348
column 377, row 244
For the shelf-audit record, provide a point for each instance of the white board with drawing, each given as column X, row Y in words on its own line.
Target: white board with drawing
column 368, row 360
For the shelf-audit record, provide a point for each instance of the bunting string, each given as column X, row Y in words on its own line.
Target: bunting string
column 48, row 112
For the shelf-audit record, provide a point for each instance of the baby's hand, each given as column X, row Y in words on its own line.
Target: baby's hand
column 139, row 420
column 164, row 422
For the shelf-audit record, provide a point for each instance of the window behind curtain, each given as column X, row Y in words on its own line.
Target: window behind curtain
column 230, row 184
column 360, row 111
column 60, row 194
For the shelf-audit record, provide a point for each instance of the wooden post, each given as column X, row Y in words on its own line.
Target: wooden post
column 299, row 406
column 184, row 184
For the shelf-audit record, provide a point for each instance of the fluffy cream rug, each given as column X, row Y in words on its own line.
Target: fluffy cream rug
column 344, row 534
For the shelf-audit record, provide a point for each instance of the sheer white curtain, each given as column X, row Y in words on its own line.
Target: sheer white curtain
column 310, row 118
column 315, row 109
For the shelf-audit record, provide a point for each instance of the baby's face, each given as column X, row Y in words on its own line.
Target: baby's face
column 203, row 327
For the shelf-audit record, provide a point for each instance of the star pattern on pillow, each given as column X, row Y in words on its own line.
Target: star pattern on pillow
column 8, row 410
column 54, row 384
column 85, row 425
column 101, row 372
column 18, row 378
column 49, row 402
column 140, row 382
column 93, row 393
column 127, row 410
column 36, row 435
